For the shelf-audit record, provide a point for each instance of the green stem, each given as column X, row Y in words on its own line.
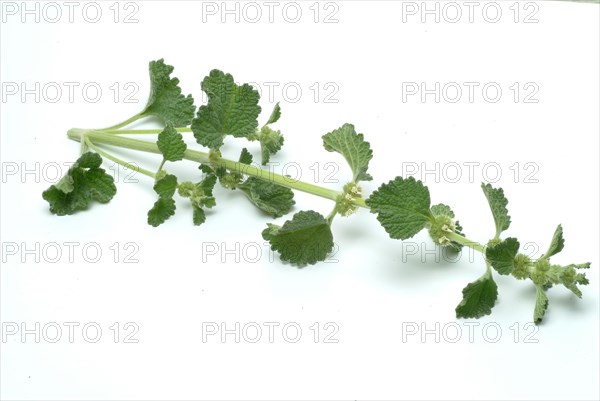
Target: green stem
column 117, row 160
column 140, row 131
column 124, row 123
column 98, row 137
column 332, row 215
column 162, row 164
column 466, row 242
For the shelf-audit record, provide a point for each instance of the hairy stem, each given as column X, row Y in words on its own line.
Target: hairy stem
column 117, row 160
column 98, row 137
column 126, row 122
column 466, row 242
column 114, row 131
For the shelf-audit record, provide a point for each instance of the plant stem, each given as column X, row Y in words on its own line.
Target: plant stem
column 466, row 242
column 126, row 122
column 140, row 131
column 117, row 160
column 92, row 137
column 98, row 137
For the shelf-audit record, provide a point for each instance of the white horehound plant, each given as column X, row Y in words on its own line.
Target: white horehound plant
column 403, row 205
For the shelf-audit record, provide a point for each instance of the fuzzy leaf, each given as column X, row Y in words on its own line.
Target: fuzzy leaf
column 402, row 207
column 231, row 110
column 479, row 297
column 353, row 147
column 171, row 144
column 502, row 256
column 166, row 100
column 306, row 239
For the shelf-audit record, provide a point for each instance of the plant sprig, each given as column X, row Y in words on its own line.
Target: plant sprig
column 402, row 205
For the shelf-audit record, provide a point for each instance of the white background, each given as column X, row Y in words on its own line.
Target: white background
column 371, row 289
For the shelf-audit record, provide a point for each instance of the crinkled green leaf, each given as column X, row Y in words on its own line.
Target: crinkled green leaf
column 541, row 304
column 271, row 142
column 275, row 114
column 270, row 232
column 498, row 202
column 161, row 211
column 164, row 207
column 442, row 210
column 89, row 160
column 206, row 169
column 502, row 255
column 208, row 184
column 166, row 100
column 306, row 239
column 402, row 207
column 171, row 144
column 245, row 157
column 84, row 182
column 353, row 147
column 199, row 215
column 557, row 244
column 271, row 198
column 231, row 110
column 166, row 187
column 66, row 184
column 479, row 297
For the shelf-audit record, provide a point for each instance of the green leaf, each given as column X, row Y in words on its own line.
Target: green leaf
column 402, row 207
column 208, row 184
column 161, row 211
column 271, row 198
column 166, row 101
column 557, row 244
column 271, row 142
column 275, row 114
column 84, row 182
column 502, row 255
column 498, row 202
column 541, row 304
column 442, row 210
column 306, row 239
column 353, row 147
column 171, row 144
column 270, row 232
column 479, row 298
column 89, row 160
column 164, row 207
column 231, row 110
column 100, row 186
column 245, row 157
column 199, row 215
column 166, row 187
column 65, row 184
